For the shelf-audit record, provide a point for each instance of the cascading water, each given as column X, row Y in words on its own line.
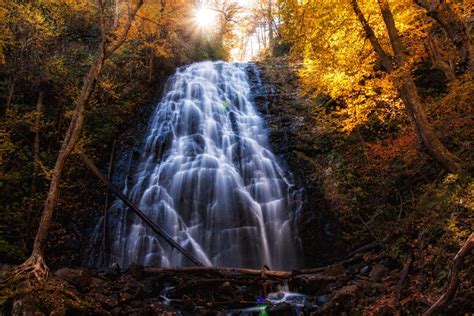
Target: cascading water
column 208, row 178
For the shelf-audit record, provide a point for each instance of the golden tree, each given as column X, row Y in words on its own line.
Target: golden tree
column 363, row 52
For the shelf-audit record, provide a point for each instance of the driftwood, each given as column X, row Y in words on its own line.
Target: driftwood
column 443, row 301
column 155, row 228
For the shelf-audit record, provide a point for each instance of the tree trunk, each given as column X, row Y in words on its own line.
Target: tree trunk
column 270, row 26
column 72, row 136
column 258, row 40
column 412, row 101
column 11, row 91
column 407, row 88
column 437, row 59
column 116, row 12
column 433, row 145
column 107, row 202
column 35, row 263
column 36, row 147
column 444, row 15
column 151, row 64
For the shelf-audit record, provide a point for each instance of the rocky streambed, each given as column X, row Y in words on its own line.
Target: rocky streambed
column 332, row 289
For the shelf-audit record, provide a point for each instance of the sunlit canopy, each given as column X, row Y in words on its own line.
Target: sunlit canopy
column 205, row 17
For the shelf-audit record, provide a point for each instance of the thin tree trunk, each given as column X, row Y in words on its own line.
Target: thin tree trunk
column 151, row 63
column 72, row 136
column 445, row 16
column 36, row 147
column 259, row 40
column 116, row 12
column 107, row 202
column 35, row 263
column 11, row 92
column 407, row 88
column 270, row 26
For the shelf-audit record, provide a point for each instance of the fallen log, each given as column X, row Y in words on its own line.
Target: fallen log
column 223, row 271
column 155, row 228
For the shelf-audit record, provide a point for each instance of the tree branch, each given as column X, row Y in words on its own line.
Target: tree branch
column 369, row 32
column 123, row 36
column 155, row 228
column 422, row 4
column 443, row 301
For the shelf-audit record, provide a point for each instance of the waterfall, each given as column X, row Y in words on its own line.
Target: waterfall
column 208, row 177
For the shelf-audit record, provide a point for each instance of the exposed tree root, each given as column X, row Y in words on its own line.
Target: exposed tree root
column 34, row 266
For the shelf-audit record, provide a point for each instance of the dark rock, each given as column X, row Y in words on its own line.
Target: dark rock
column 97, row 282
column 136, row 271
column 111, row 273
column 151, row 288
column 335, row 270
column 365, row 270
column 378, row 272
column 341, row 301
column 313, row 284
column 116, row 268
column 77, row 277
column 323, row 299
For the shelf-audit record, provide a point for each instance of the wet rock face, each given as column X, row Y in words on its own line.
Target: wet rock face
column 295, row 140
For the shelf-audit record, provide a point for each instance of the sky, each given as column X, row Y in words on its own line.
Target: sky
column 251, row 49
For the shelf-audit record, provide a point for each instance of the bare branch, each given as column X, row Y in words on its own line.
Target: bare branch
column 369, row 32
column 443, row 301
column 123, row 36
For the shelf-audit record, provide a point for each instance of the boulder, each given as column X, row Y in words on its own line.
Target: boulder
column 378, row 272
column 77, row 277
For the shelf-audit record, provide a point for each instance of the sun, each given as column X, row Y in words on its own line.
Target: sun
column 205, row 17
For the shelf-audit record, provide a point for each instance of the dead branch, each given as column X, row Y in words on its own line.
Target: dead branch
column 443, row 301
column 156, row 229
column 403, row 276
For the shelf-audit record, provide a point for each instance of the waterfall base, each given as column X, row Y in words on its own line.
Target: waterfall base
column 199, row 290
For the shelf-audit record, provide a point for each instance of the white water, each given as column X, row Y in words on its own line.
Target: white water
column 208, row 177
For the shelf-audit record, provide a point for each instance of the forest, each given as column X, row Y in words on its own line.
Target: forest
column 223, row 157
